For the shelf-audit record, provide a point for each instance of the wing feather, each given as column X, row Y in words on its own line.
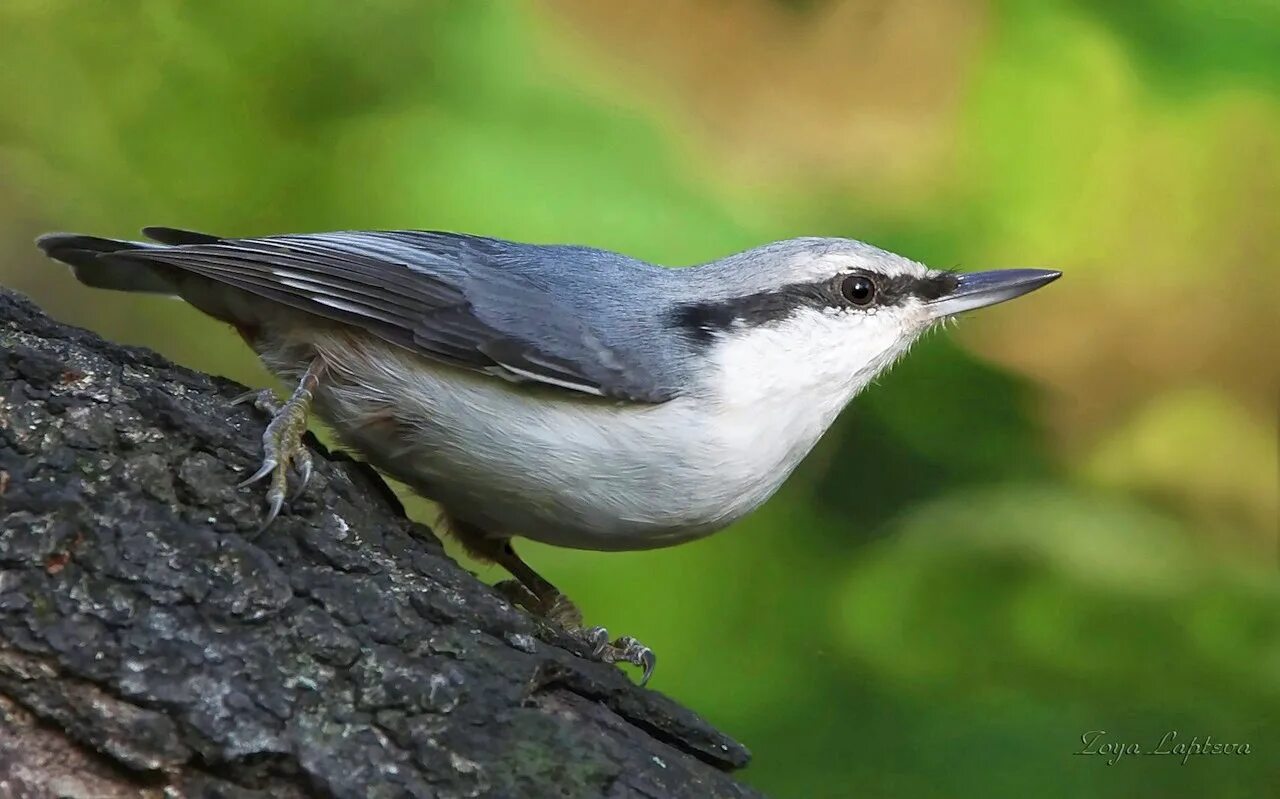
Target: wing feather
column 411, row 288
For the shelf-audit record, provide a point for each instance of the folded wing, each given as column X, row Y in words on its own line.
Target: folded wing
column 423, row 291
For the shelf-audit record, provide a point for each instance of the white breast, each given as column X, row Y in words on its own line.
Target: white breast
column 580, row 471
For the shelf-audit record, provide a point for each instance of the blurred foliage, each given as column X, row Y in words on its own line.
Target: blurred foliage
column 1060, row 517
column 1196, row 44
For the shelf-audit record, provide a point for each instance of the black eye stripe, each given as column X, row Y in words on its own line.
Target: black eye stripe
column 705, row 319
column 900, row 287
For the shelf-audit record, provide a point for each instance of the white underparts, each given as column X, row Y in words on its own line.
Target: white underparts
column 591, row 473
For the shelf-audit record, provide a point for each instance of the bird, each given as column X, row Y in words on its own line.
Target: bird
column 560, row 393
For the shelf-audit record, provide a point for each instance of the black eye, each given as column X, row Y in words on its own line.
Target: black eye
column 858, row 289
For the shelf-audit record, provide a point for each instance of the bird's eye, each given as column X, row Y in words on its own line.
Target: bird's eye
column 858, row 289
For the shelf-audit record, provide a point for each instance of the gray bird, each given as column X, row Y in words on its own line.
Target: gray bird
column 566, row 394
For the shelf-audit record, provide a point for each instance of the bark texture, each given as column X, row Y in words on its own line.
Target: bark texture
column 152, row 643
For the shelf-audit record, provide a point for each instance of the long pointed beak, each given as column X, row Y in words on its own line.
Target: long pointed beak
column 980, row 289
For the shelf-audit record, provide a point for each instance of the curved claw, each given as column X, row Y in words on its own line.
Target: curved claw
column 598, row 638
column 276, row 500
column 649, row 662
column 264, row 399
column 632, row 651
column 241, row 399
column 303, row 460
column 267, row 467
column 623, row 650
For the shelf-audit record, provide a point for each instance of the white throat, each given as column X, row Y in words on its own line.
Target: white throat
column 783, row 384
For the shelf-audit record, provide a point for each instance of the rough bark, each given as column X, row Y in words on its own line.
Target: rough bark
column 153, row 643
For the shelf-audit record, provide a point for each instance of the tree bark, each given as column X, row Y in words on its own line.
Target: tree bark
column 153, row 643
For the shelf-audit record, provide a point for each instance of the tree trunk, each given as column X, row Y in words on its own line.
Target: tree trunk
column 153, row 643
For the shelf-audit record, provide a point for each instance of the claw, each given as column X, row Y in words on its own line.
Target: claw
column 263, row 399
column 276, row 502
column 649, row 661
column 303, row 460
column 598, row 638
column 630, row 650
column 624, row 649
column 267, row 467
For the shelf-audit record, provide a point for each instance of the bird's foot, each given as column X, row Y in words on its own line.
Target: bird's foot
column 623, row 649
column 559, row 610
column 282, row 445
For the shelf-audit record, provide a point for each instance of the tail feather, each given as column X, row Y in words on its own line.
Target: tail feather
column 73, row 248
column 88, row 257
column 177, row 236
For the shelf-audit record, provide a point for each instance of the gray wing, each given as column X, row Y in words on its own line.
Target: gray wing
column 428, row 292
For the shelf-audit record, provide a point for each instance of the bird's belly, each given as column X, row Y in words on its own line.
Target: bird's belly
column 576, row 472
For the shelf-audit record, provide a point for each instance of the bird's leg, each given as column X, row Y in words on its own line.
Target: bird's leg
column 538, row 596
column 282, row 441
column 535, row 594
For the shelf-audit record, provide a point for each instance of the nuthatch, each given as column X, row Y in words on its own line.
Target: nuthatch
column 566, row 394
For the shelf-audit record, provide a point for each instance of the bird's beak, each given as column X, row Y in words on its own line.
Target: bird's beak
column 980, row 289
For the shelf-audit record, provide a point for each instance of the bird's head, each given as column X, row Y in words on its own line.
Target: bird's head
column 818, row 318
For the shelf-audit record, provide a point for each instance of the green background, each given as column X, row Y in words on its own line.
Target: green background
column 1058, row 517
